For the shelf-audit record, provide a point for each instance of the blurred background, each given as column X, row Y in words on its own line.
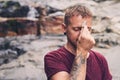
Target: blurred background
column 29, row 29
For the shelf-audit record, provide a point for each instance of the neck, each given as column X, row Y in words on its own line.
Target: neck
column 70, row 48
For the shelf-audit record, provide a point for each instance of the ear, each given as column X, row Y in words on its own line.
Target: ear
column 64, row 28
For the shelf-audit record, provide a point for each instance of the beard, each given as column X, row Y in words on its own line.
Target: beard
column 72, row 42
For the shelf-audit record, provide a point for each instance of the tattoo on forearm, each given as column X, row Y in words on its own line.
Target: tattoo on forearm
column 82, row 59
column 79, row 60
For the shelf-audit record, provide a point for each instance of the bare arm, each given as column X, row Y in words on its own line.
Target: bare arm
column 78, row 71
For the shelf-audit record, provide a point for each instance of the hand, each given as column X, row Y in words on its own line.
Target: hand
column 85, row 40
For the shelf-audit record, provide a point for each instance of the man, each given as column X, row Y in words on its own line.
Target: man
column 75, row 60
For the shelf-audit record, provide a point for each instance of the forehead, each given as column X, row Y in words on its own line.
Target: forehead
column 78, row 20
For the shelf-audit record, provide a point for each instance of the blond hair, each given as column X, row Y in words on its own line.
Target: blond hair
column 76, row 10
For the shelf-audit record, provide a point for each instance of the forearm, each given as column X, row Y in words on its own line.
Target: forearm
column 78, row 71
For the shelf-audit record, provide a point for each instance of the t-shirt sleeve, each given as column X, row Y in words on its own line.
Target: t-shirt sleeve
column 53, row 64
column 107, row 75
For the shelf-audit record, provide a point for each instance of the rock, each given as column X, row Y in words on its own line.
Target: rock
column 53, row 25
column 25, row 67
column 51, row 10
column 101, row 0
column 98, row 26
column 115, row 20
column 104, row 9
column 7, row 55
column 21, row 12
column 13, row 9
column 30, row 64
column 19, row 26
column 10, row 49
column 58, row 13
column 14, row 43
column 33, row 13
column 1, row 43
column 107, row 39
column 100, row 45
column 26, row 38
column 21, row 57
column 115, row 28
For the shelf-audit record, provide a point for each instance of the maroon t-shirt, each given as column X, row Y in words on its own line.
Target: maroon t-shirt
column 62, row 60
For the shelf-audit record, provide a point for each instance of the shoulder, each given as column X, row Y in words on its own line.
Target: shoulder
column 103, row 65
column 101, row 60
column 53, row 62
column 99, row 57
column 55, row 54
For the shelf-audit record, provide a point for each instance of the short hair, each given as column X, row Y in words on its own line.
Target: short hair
column 76, row 10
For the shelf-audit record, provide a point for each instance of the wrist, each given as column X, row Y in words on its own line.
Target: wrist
column 80, row 58
column 82, row 52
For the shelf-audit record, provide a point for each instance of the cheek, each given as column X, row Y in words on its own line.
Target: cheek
column 73, row 35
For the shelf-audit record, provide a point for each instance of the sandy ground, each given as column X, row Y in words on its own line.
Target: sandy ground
column 113, row 57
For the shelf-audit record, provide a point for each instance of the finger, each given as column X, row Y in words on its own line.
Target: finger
column 79, row 37
column 80, row 34
column 85, row 30
column 84, row 24
column 83, row 27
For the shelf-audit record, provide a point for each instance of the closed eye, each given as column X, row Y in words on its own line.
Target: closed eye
column 77, row 28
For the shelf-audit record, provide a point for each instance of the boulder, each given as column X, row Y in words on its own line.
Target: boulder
column 25, row 67
column 13, row 9
column 52, row 25
column 19, row 26
column 106, row 40
column 115, row 28
column 100, row 24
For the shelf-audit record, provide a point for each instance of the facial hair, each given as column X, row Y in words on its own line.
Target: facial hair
column 72, row 43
